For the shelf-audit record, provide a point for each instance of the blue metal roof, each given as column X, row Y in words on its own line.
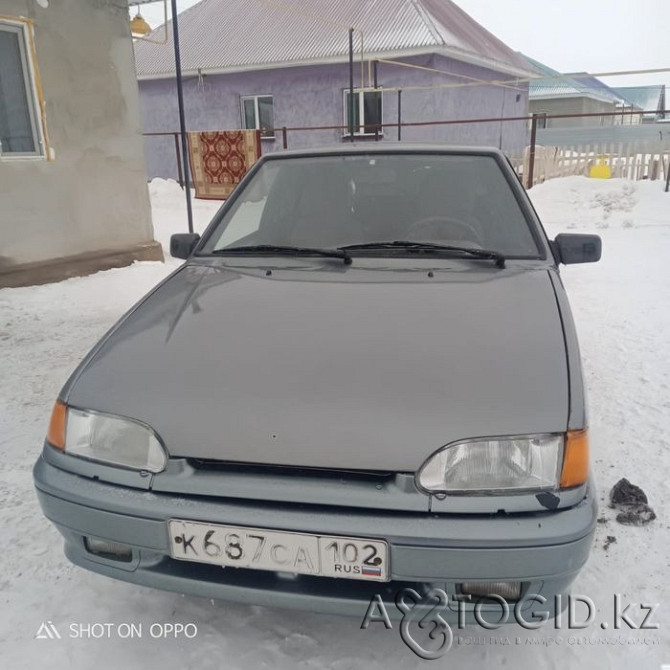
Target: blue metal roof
column 644, row 97
column 556, row 85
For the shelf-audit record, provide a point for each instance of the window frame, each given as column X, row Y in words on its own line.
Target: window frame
column 257, row 115
column 360, row 94
column 542, row 120
column 29, row 73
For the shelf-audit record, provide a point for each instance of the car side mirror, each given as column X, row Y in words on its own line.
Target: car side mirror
column 573, row 248
column 182, row 244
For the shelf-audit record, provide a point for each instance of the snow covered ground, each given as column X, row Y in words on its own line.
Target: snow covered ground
column 622, row 310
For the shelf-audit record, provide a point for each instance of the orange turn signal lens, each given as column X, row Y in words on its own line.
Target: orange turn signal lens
column 576, row 460
column 56, row 434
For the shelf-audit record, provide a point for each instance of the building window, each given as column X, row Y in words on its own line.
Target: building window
column 367, row 110
column 19, row 126
column 258, row 114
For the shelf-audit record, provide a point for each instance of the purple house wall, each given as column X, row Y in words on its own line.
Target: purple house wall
column 313, row 96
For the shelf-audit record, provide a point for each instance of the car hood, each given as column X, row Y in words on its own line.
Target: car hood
column 334, row 368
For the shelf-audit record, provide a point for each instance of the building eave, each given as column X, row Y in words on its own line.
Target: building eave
column 569, row 96
column 448, row 52
column 473, row 59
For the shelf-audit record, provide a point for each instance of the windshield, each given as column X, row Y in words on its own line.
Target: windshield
column 334, row 201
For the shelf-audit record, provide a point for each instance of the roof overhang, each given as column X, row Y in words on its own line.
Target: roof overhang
column 576, row 94
column 448, row 52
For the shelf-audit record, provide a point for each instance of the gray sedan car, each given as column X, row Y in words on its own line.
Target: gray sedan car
column 365, row 377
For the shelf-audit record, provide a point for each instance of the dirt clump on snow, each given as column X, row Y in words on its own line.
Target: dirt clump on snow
column 625, row 493
column 632, row 503
column 609, row 540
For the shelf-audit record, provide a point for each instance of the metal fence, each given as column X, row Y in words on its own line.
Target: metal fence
column 533, row 163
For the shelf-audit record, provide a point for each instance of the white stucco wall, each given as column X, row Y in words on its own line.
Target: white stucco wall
column 92, row 195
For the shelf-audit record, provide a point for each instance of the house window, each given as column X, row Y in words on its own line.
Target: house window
column 367, row 111
column 19, row 128
column 258, row 114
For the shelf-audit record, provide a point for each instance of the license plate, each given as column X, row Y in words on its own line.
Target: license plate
column 259, row 549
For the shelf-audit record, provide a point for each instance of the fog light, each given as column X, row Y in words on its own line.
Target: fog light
column 114, row 551
column 506, row 590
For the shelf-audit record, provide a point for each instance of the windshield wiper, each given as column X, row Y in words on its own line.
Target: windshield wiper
column 285, row 251
column 484, row 254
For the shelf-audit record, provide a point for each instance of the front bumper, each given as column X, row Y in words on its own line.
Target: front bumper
column 544, row 550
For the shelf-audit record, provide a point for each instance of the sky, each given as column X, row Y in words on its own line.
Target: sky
column 568, row 35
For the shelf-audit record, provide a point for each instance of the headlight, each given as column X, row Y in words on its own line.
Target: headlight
column 496, row 465
column 105, row 438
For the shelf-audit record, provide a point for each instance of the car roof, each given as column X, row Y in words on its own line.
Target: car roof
column 366, row 148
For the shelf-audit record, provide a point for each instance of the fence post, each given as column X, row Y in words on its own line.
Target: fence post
column 284, row 137
column 531, row 157
column 376, row 85
column 399, row 115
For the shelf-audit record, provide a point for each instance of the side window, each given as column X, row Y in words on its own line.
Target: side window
column 19, row 120
column 258, row 114
column 367, row 111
